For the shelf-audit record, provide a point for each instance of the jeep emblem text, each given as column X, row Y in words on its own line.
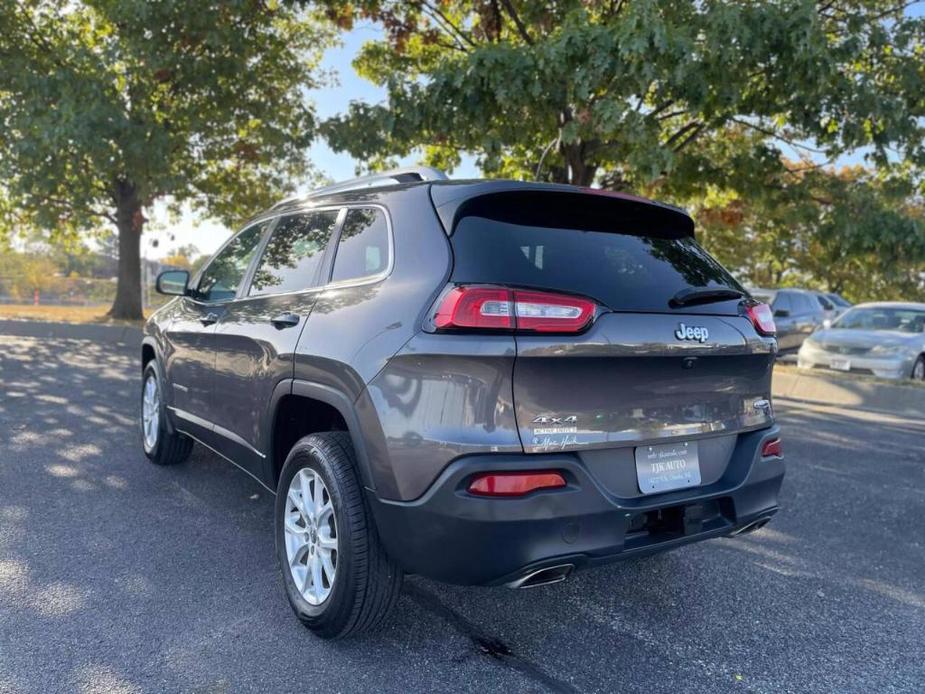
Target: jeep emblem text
column 692, row 332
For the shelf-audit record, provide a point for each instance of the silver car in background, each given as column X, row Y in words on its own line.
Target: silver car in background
column 886, row 339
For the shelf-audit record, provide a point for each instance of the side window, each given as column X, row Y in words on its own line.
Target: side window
column 824, row 302
column 363, row 248
column 220, row 279
column 807, row 305
column 294, row 253
column 782, row 302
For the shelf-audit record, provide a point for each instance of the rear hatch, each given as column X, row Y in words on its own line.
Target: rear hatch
column 654, row 366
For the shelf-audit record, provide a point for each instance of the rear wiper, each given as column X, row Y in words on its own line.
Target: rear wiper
column 704, row 295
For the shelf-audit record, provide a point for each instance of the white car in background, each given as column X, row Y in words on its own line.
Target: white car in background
column 886, row 339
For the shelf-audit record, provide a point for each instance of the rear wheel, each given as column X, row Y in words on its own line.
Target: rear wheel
column 337, row 576
column 918, row 371
column 162, row 445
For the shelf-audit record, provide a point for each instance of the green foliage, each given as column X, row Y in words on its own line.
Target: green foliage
column 692, row 102
column 625, row 90
column 108, row 105
column 848, row 231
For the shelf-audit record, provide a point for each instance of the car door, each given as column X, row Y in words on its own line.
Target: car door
column 257, row 333
column 808, row 313
column 190, row 355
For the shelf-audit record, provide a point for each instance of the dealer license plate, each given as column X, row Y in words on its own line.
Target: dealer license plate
column 667, row 466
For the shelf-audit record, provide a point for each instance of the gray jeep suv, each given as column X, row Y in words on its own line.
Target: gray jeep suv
column 482, row 382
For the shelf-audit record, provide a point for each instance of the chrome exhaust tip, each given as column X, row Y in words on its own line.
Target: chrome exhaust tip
column 543, row 577
column 750, row 527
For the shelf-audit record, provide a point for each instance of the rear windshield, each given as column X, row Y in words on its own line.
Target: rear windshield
column 623, row 271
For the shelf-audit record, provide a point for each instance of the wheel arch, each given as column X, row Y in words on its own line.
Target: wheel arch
column 148, row 351
column 322, row 403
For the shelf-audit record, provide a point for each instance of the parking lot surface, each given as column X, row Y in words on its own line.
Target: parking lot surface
column 116, row 575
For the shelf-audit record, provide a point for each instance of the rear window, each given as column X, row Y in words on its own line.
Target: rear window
column 625, row 272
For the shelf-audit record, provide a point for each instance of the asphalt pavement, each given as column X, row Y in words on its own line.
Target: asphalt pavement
column 116, row 575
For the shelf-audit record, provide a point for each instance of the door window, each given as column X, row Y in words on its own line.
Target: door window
column 221, row 278
column 782, row 303
column 294, row 253
column 363, row 248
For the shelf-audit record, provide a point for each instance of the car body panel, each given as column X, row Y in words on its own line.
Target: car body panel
column 252, row 356
column 630, row 379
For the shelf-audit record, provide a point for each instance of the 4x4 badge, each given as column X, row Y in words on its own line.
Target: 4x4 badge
column 692, row 332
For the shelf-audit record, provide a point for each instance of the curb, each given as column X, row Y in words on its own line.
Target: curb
column 98, row 332
column 853, row 392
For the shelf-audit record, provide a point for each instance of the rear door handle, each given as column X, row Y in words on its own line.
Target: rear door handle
column 285, row 320
column 209, row 318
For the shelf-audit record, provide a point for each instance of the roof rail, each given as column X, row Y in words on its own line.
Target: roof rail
column 406, row 174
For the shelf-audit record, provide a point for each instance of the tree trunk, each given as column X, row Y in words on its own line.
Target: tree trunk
column 129, row 222
column 580, row 172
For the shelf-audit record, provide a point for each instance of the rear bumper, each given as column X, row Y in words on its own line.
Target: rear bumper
column 453, row 536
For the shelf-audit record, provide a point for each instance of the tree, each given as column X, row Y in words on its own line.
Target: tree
column 109, row 105
column 624, row 92
column 850, row 231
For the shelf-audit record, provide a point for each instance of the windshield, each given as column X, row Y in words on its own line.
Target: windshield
column 901, row 319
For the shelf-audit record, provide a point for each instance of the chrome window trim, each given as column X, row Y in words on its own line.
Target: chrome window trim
column 344, row 284
column 304, row 209
column 364, row 279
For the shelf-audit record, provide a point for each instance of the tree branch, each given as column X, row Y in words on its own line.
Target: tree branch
column 521, row 28
column 448, row 26
column 682, row 132
column 778, row 136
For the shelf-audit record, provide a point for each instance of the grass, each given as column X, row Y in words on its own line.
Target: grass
column 61, row 314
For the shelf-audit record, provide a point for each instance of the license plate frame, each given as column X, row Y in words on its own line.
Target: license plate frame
column 840, row 364
column 667, row 467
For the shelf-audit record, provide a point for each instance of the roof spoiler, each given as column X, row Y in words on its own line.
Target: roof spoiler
column 406, row 174
column 560, row 205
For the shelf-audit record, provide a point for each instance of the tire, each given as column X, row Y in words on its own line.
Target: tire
column 918, row 370
column 366, row 582
column 162, row 445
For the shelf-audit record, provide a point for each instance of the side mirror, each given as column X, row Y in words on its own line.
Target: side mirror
column 172, row 282
column 827, row 323
column 782, row 313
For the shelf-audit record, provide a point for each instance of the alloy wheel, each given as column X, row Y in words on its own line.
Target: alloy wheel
column 150, row 412
column 311, row 536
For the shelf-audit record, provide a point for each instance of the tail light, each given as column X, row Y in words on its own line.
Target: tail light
column 514, row 483
column 500, row 308
column 762, row 317
column 771, row 449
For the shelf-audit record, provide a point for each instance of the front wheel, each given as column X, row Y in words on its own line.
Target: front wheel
column 162, row 446
column 918, row 371
column 337, row 576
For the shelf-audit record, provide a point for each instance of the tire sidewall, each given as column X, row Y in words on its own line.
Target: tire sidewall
column 919, row 361
column 152, row 368
column 305, row 454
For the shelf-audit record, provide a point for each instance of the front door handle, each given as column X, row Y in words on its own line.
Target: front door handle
column 209, row 318
column 285, row 320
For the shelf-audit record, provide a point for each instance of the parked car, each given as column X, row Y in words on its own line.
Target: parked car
column 886, row 339
column 829, row 310
column 840, row 302
column 482, row 382
column 797, row 313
